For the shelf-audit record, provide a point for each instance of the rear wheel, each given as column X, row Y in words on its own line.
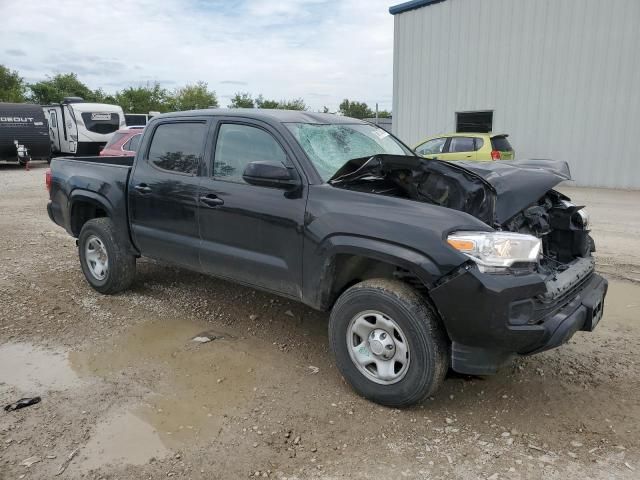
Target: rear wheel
column 388, row 342
column 106, row 265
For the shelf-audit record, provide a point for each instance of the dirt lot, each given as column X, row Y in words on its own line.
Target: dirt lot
column 127, row 394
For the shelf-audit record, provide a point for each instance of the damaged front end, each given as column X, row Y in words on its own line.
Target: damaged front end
column 513, row 197
column 530, row 282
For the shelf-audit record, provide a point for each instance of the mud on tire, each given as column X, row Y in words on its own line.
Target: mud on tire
column 421, row 332
column 121, row 270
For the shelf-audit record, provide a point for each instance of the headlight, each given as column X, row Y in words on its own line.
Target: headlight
column 581, row 218
column 496, row 251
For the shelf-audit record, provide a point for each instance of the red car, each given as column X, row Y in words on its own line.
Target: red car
column 124, row 143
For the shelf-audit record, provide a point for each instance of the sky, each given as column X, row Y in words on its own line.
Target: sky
column 320, row 50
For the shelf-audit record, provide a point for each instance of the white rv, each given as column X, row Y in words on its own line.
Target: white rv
column 80, row 128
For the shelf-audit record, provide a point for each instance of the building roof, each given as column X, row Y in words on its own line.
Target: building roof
column 411, row 5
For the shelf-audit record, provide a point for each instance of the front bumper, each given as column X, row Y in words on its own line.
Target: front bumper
column 491, row 318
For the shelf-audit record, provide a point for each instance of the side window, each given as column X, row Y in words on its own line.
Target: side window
column 178, row 147
column 132, row 144
column 462, row 144
column 479, row 143
column 239, row 145
column 54, row 119
column 432, row 147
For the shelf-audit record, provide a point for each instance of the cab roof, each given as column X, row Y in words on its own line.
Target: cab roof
column 281, row 116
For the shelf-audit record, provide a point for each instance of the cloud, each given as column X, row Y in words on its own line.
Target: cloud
column 320, row 50
column 15, row 52
column 233, row 82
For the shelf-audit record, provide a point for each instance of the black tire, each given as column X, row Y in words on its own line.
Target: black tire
column 121, row 266
column 427, row 342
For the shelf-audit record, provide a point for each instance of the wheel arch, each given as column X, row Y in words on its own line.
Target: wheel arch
column 84, row 206
column 348, row 260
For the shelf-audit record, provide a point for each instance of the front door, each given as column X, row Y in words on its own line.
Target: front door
column 251, row 234
column 163, row 191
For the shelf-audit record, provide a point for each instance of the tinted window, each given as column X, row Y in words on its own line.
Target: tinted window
column 132, row 144
column 501, row 144
column 461, row 144
column 115, row 138
column 178, row 147
column 432, row 147
column 239, row 145
column 101, row 122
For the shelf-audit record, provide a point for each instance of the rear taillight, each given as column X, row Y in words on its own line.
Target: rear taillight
column 47, row 179
column 495, row 154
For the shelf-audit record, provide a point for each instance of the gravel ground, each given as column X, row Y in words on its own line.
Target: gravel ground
column 127, row 394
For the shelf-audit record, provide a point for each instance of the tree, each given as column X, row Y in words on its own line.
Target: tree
column 383, row 114
column 242, row 100
column 262, row 103
column 144, row 99
column 12, row 87
column 295, row 104
column 101, row 96
column 192, row 97
column 54, row 89
column 355, row 109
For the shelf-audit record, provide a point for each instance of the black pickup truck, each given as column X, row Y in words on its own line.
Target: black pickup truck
column 424, row 264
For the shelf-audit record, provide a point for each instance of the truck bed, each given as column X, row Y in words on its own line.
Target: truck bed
column 89, row 182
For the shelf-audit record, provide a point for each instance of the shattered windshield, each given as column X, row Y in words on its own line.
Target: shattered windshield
column 330, row 146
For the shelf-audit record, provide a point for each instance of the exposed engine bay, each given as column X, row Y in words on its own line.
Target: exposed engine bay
column 508, row 196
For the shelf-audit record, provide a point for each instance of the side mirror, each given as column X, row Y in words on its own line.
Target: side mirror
column 269, row 174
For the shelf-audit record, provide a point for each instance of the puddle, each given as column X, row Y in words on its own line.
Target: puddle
column 193, row 387
column 622, row 304
column 125, row 438
column 35, row 370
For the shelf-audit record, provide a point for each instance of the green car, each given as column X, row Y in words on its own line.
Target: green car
column 483, row 147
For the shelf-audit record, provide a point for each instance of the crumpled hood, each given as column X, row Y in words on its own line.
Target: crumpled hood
column 518, row 183
column 491, row 191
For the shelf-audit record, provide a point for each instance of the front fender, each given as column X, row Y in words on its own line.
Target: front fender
column 320, row 273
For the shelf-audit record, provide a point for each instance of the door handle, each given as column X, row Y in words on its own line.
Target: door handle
column 142, row 188
column 211, row 200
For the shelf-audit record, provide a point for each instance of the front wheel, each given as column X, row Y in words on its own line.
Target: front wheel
column 106, row 265
column 388, row 342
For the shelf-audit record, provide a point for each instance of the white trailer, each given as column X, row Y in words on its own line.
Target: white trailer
column 80, row 128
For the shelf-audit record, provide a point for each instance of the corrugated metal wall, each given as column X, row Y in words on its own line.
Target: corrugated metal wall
column 562, row 77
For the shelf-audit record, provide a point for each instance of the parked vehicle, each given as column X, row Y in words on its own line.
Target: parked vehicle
column 467, row 146
column 80, row 128
column 123, row 143
column 138, row 119
column 423, row 264
column 24, row 133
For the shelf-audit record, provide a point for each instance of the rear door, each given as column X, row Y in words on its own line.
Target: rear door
column 163, row 190
column 460, row 148
column 70, row 130
column 251, row 234
column 54, row 132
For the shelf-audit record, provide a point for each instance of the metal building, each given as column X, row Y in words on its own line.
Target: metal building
column 562, row 77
